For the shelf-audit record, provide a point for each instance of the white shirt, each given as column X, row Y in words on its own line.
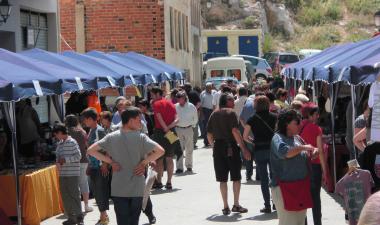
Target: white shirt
column 187, row 115
column 215, row 99
column 239, row 104
column 374, row 103
column 207, row 99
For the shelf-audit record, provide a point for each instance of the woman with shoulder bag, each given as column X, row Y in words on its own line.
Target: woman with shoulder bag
column 262, row 125
column 289, row 160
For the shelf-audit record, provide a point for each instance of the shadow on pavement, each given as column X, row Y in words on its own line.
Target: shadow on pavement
column 164, row 191
column 252, row 182
column 264, row 217
column 222, row 218
column 338, row 199
column 185, row 174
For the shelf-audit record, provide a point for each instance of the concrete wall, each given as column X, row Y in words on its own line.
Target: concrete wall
column 185, row 59
column 233, row 38
column 43, row 6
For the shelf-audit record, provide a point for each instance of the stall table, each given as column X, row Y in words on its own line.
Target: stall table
column 40, row 197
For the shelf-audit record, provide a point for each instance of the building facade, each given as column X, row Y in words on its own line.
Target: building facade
column 169, row 30
column 32, row 24
column 232, row 42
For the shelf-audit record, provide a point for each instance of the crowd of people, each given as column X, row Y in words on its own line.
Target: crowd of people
column 240, row 123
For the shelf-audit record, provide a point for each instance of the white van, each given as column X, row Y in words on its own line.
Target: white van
column 226, row 67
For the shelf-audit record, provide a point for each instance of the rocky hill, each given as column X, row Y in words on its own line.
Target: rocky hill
column 295, row 24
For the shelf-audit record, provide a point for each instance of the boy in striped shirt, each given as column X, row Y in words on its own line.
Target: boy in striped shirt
column 68, row 162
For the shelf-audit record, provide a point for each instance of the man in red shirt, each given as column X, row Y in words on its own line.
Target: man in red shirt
column 165, row 119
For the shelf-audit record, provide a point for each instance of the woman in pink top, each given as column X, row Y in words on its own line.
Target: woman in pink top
column 312, row 134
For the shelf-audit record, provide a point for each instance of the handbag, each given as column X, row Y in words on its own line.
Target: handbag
column 296, row 195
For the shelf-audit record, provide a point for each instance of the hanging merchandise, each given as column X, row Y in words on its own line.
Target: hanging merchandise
column 355, row 187
column 374, row 103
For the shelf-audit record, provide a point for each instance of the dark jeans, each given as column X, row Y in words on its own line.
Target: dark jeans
column 262, row 169
column 149, row 208
column 249, row 163
column 127, row 210
column 206, row 116
column 101, row 187
column 316, row 184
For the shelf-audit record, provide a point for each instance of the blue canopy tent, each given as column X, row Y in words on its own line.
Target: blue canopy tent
column 352, row 63
column 71, row 80
column 19, row 82
column 175, row 73
column 99, row 72
column 122, row 76
column 151, row 73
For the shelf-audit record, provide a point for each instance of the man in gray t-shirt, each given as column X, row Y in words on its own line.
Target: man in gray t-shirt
column 129, row 152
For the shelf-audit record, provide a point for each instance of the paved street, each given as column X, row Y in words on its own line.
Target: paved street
column 195, row 200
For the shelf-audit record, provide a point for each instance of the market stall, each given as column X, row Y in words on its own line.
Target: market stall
column 346, row 71
column 29, row 190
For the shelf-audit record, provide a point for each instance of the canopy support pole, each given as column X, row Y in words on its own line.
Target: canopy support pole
column 353, row 103
column 12, row 113
column 331, row 86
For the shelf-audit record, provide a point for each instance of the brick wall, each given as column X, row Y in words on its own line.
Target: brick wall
column 118, row 25
column 67, row 22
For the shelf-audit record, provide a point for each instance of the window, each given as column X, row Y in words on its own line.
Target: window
column 234, row 73
column 177, row 33
column 186, row 32
column 34, row 30
column 172, row 28
column 180, row 31
column 217, row 73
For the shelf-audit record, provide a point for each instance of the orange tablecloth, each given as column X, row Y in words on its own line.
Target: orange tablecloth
column 40, row 197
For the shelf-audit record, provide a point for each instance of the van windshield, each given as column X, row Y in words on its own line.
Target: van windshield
column 287, row 59
column 234, row 73
column 217, row 73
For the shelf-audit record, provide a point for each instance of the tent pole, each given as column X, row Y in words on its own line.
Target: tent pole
column 12, row 113
column 353, row 103
column 333, row 128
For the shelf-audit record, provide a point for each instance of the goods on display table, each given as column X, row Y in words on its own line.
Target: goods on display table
column 40, row 197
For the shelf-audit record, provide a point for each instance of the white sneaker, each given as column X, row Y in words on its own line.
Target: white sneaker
column 88, row 209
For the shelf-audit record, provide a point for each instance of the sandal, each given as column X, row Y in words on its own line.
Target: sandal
column 226, row 211
column 239, row 209
column 157, row 186
column 169, row 186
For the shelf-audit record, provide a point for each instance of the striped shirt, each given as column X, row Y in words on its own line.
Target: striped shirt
column 69, row 150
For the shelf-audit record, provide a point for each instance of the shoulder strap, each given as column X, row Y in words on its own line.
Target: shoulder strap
column 269, row 127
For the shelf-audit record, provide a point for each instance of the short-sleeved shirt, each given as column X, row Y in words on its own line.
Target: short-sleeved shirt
column 69, row 150
column 128, row 149
column 221, row 123
column 261, row 132
column 355, row 189
column 167, row 111
column 80, row 137
column 286, row 169
column 95, row 135
column 309, row 133
column 248, row 110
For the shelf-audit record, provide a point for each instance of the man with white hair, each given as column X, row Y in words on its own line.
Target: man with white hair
column 206, row 109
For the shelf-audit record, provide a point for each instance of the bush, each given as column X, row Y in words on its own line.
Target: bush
column 294, row 5
column 249, row 22
column 362, row 6
column 268, row 43
column 319, row 12
column 318, row 37
column 358, row 36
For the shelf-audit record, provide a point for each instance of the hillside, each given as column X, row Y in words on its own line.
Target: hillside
column 295, row 24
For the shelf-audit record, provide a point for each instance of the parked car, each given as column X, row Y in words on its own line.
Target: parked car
column 279, row 60
column 217, row 81
column 305, row 53
column 226, row 67
column 261, row 66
